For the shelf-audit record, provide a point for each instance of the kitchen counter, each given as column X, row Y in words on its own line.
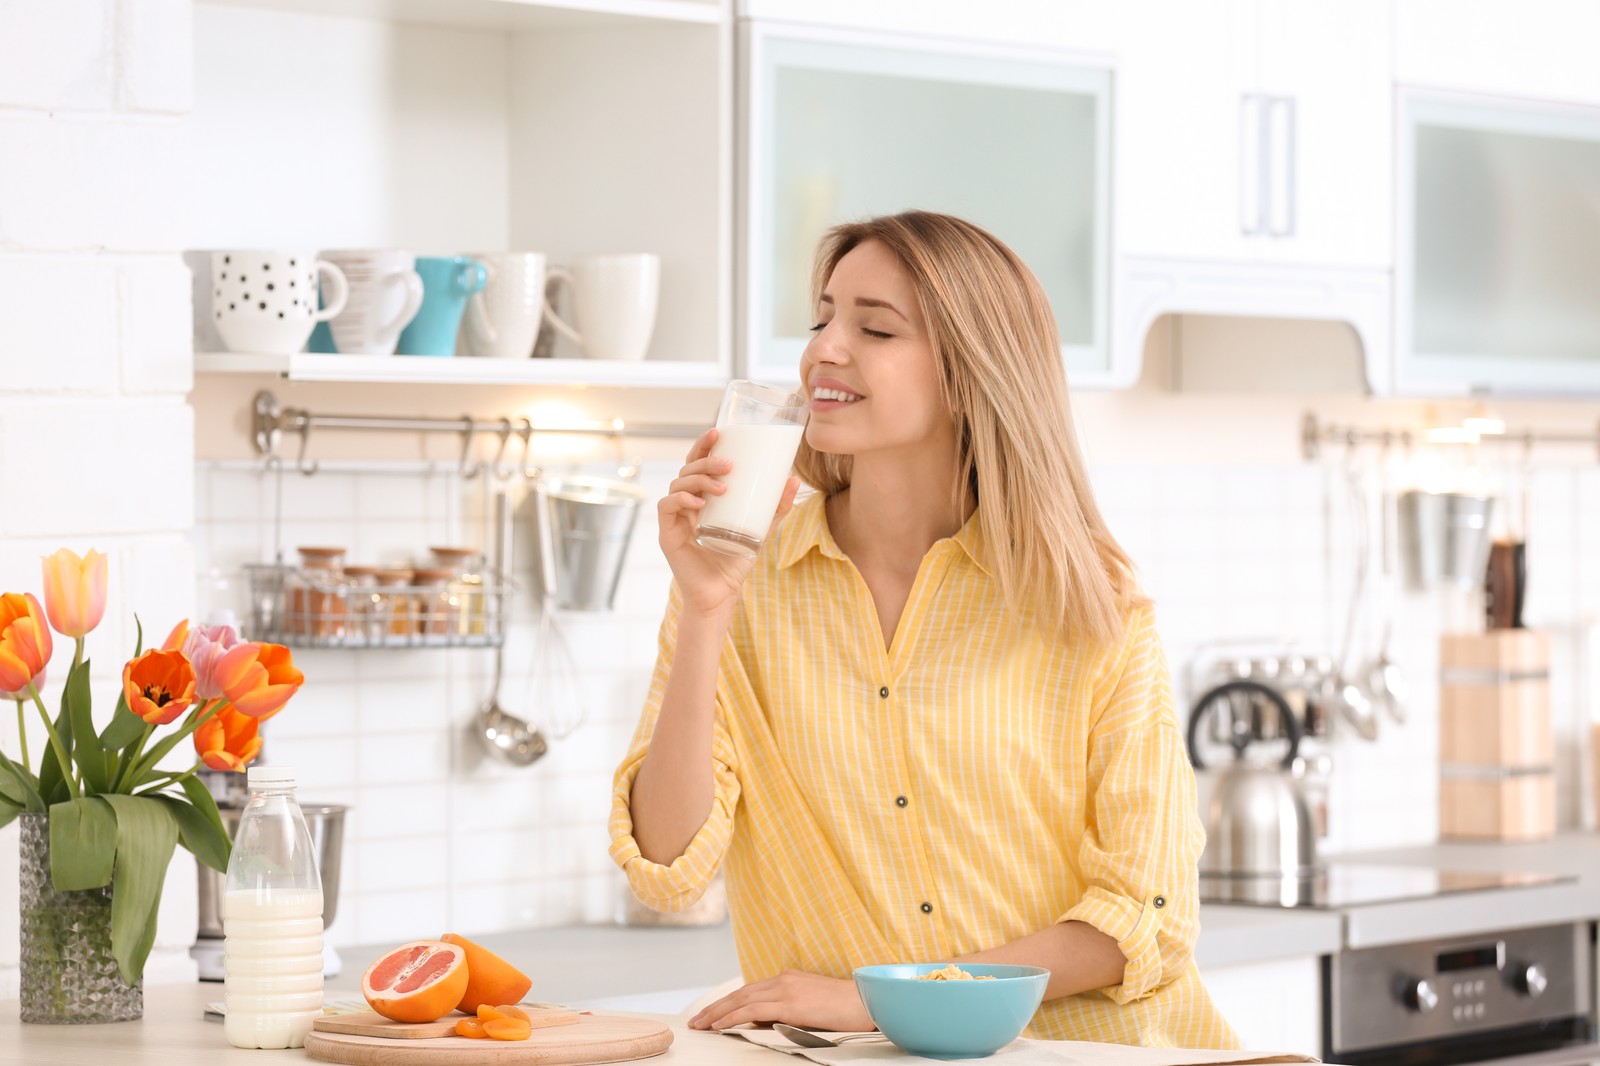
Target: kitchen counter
column 1253, row 934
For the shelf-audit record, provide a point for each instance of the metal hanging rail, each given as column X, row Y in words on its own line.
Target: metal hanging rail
column 1314, row 434
column 272, row 421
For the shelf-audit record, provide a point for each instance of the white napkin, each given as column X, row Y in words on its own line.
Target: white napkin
column 1018, row 1053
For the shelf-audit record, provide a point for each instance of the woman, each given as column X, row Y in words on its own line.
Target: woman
column 932, row 719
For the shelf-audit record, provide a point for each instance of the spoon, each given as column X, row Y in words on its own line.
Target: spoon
column 1385, row 680
column 805, row 1038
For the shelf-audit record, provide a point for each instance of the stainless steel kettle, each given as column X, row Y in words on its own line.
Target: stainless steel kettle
column 1258, row 823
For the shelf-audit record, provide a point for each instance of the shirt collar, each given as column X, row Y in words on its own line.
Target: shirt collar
column 807, row 528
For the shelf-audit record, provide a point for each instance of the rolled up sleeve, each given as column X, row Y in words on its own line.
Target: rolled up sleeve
column 1143, row 838
column 678, row 885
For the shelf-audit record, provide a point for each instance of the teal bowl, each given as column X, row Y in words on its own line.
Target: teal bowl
column 951, row 1019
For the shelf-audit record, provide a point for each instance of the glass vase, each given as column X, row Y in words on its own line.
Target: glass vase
column 69, row 976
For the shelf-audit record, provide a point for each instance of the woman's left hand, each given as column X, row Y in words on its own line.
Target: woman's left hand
column 801, row 999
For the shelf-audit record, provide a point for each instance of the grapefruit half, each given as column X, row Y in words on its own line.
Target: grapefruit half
column 417, row 982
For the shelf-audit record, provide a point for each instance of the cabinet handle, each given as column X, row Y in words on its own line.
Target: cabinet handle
column 1253, row 172
column 1280, row 153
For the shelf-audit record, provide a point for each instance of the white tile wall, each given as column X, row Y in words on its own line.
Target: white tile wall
column 96, row 434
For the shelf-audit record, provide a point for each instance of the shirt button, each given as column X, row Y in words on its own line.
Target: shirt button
column 1160, row 901
column 927, row 908
column 900, row 801
column 883, row 693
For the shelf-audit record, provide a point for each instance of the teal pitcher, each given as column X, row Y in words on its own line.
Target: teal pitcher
column 446, row 284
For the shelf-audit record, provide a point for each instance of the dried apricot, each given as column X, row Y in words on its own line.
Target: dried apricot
column 487, row 1013
column 470, row 1027
column 511, row 1010
column 507, row 1028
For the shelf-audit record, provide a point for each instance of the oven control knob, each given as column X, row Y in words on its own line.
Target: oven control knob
column 1530, row 980
column 1419, row 995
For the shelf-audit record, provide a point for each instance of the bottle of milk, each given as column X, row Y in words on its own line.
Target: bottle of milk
column 272, row 919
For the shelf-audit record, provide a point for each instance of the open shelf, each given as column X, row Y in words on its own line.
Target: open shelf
column 450, row 370
column 500, row 14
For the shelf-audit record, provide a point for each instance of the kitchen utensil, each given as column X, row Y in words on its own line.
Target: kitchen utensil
column 1506, row 583
column 506, row 736
column 809, row 1039
column 1386, row 682
column 1344, row 693
column 553, row 688
column 377, row 1025
column 1258, row 823
column 594, row 1038
column 326, row 823
column 1444, row 538
column 584, row 524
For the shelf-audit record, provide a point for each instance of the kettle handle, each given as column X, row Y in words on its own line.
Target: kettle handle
column 1286, row 715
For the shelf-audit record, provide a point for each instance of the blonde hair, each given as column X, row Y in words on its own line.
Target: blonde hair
column 994, row 339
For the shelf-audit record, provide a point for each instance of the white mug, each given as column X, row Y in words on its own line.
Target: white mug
column 502, row 321
column 614, row 297
column 385, row 293
column 266, row 302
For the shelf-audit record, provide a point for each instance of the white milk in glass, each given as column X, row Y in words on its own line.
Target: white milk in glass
column 762, row 456
column 273, row 980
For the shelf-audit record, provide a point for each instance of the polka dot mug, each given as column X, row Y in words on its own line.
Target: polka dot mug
column 267, row 301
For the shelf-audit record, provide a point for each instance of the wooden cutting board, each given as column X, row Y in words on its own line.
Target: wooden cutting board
column 369, row 1024
column 593, row 1038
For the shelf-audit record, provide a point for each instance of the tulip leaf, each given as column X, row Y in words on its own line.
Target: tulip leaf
column 206, row 842
column 147, row 833
column 26, row 788
column 125, row 728
column 203, row 802
column 87, row 752
column 52, row 775
column 8, row 812
column 83, row 844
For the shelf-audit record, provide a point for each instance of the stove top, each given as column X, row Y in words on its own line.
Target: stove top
column 1340, row 885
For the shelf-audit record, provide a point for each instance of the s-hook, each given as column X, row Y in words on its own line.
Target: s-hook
column 467, row 468
column 626, row 468
column 304, row 467
column 503, row 473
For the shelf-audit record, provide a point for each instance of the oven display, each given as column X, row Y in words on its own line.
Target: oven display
column 1484, row 956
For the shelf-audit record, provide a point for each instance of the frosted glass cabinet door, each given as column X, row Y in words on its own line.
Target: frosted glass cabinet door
column 845, row 126
column 1498, row 271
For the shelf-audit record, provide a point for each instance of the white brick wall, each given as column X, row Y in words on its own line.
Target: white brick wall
column 96, row 433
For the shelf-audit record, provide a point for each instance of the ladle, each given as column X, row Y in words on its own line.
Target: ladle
column 504, row 735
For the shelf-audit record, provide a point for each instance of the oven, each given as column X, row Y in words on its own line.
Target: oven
column 1519, row 997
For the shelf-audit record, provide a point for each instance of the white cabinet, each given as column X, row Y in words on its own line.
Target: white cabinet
column 844, row 124
column 459, row 126
column 1273, row 1005
column 1532, row 49
column 1255, row 131
column 1499, row 259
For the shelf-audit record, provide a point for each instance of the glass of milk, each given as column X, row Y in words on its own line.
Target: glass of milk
column 759, row 428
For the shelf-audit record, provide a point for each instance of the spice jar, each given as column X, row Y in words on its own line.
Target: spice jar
column 317, row 606
column 434, row 604
column 392, row 603
column 467, row 584
column 362, row 600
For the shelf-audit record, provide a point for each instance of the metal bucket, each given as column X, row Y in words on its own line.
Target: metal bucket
column 1444, row 538
column 584, row 527
column 326, row 823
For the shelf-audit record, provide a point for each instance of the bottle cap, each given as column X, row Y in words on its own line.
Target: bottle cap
column 270, row 777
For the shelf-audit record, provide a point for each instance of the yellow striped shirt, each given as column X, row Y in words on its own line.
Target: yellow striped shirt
column 973, row 783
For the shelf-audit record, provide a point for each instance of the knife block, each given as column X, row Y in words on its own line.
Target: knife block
column 1496, row 742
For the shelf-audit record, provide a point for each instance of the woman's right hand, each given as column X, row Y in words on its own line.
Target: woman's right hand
column 710, row 580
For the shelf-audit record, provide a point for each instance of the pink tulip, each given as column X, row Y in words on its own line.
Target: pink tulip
column 204, row 648
column 75, row 591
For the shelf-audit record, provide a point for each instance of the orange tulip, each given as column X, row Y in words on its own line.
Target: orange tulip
column 25, row 644
column 175, row 639
column 258, row 679
column 159, row 685
column 228, row 740
column 75, row 591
